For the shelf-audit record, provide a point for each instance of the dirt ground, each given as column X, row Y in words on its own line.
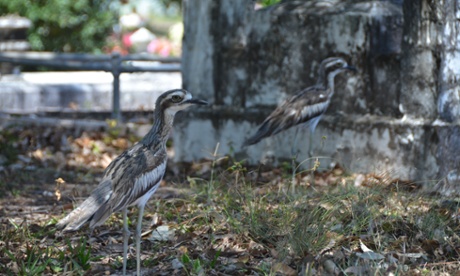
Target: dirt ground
column 216, row 217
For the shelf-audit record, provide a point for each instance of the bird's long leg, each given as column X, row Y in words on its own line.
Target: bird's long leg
column 294, row 153
column 91, row 230
column 310, row 156
column 138, row 239
column 126, row 235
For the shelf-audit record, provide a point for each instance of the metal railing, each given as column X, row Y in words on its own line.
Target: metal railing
column 113, row 63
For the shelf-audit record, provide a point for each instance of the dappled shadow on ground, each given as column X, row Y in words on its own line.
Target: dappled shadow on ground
column 217, row 217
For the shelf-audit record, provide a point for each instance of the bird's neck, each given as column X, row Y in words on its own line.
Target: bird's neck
column 159, row 133
column 326, row 81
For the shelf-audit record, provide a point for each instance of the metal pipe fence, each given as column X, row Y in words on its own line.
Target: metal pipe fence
column 113, row 63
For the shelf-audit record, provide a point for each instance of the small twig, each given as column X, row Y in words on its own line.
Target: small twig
column 440, row 263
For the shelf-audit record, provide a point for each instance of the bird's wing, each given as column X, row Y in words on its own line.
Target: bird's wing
column 308, row 105
column 132, row 174
column 300, row 108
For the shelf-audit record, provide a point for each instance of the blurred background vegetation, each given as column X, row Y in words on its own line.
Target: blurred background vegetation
column 103, row 26
column 95, row 26
column 65, row 25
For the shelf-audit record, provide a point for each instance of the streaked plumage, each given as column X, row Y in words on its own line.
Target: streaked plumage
column 134, row 175
column 305, row 107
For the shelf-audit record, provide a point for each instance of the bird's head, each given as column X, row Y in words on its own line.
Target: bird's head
column 175, row 100
column 332, row 66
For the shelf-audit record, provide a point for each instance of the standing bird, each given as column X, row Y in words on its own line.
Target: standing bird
column 133, row 176
column 305, row 107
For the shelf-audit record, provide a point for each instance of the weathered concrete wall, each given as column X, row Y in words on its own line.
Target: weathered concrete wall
column 360, row 144
column 381, row 119
column 446, row 15
column 271, row 53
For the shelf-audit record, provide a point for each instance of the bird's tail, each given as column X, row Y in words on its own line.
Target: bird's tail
column 86, row 211
column 264, row 131
column 251, row 141
column 79, row 216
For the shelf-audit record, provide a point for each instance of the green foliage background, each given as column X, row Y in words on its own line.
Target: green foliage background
column 65, row 25
column 266, row 3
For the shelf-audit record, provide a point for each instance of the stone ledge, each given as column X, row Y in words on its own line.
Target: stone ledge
column 360, row 144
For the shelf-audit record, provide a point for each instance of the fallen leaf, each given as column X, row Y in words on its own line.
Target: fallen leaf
column 430, row 246
column 363, row 247
column 411, row 255
column 356, row 270
column 183, row 249
column 284, row 269
column 331, row 267
column 176, row 264
column 370, row 255
column 328, row 247
column 57, row 192
column 162, row 233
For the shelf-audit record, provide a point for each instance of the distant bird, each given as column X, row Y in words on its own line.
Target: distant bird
column 133, row 176
column 305, row 107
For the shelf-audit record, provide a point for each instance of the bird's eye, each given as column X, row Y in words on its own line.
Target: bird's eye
column 176, row 98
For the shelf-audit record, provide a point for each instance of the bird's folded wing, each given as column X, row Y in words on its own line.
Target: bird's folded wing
column 133, row 174
column 300, row 108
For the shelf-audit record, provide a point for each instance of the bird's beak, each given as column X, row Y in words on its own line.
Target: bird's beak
column 351, row 68
column 196, row 101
